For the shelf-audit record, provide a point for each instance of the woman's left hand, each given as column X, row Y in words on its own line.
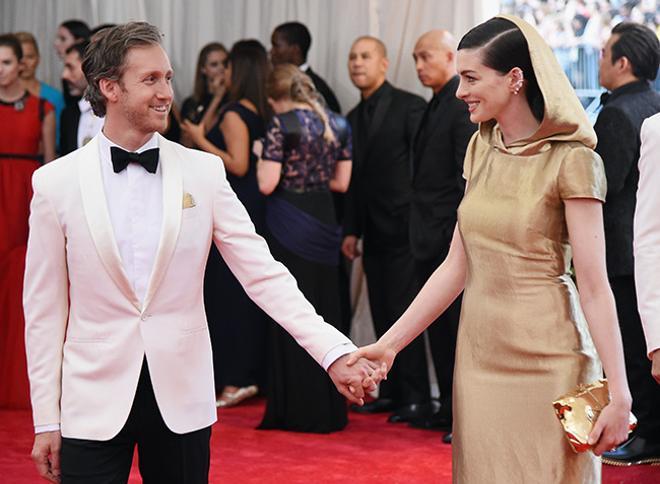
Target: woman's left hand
column 611, row 428
column 194, row 131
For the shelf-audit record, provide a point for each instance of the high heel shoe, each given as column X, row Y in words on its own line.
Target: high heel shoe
column 231, row 399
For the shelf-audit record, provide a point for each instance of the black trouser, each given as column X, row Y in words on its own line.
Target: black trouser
column 392, row 286
column 164, row 457
column 442, row 333
column 645, row 391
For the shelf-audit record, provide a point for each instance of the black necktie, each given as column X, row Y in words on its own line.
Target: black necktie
column 120, row 159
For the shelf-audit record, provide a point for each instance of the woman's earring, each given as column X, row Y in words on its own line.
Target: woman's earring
column 517, row 86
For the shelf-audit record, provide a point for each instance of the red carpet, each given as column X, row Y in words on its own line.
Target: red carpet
column 368, row 451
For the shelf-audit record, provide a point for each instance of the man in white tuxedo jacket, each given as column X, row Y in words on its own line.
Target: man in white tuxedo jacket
column 647, row 239
column 117, row 340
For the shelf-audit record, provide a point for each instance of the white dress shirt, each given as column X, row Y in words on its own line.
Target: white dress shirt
column 646, row 241
column 89, row 124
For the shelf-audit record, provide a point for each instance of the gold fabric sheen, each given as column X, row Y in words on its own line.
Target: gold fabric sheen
column 523, row 338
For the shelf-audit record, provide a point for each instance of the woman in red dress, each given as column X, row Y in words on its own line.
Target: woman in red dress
column 27, row 138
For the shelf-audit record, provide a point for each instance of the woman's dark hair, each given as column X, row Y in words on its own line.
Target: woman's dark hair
column 640, row 46
column 200, row 87
column 504, row 47
column 249, row 71
column 79, row 29
column 11, row 41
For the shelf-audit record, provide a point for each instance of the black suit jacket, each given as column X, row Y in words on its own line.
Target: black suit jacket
column 378, row 199
column 438, row 184
column 69, row 128
column 617, row 127
column 324, row 89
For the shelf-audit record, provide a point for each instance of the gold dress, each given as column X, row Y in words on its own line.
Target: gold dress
column 523, row 339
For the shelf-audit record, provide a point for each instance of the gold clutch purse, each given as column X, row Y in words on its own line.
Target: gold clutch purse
column 579, row 409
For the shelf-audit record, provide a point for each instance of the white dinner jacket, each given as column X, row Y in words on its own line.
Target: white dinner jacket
column 86, row 331
column 646, row 241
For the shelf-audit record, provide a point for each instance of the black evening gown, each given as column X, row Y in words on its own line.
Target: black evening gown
column 301, row 396
column 237, row 325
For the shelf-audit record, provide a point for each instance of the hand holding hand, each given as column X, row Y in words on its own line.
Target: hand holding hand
column 354, row 380
column 611, row 428
column 378, row 354
column 349, row 247
column 46, row 455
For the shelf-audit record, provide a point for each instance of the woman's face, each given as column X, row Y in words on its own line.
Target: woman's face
column 63, row 40
column 214, row 67
column 9, row 67
column 486, row 91
column 30, row 60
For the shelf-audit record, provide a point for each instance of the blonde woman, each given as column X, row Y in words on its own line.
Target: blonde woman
column 306, row 155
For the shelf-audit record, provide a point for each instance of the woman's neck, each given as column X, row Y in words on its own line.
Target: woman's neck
column 32, row 85
column 12, row 92
column 517, row 122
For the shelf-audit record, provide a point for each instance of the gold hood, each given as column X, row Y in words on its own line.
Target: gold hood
column 564, row 118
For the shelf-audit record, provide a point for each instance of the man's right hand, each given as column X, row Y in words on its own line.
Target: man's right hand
column 46, row 455
column 349, row 247
column 655, row 368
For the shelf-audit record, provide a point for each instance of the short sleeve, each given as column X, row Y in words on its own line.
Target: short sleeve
column 469, row 156
column 48, row 107
column 582, row 175
column 274, row 142
column 344, row 138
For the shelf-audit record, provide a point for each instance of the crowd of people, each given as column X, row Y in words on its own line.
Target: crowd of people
column 577, row 29
column 468, row 212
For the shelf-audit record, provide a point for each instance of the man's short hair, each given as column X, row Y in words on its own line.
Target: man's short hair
column 640, row 46
column 380, row 45
column 296, row 33
column 105, row 57
column 78, row 47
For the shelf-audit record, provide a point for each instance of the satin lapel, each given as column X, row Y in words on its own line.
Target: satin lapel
column 379, row 116
column 170, row 165
column 98, row 219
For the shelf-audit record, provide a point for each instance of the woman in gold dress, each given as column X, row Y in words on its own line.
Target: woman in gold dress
column 533, row 200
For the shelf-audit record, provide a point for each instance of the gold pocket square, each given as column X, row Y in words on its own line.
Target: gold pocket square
column 188, row 201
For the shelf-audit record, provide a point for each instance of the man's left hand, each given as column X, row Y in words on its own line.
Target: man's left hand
column 353, row 381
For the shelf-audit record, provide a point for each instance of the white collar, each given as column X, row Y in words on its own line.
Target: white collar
column 304, row 67
column 84, row 105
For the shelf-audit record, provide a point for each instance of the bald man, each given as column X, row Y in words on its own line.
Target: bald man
column 384, row 124
column 438, row 185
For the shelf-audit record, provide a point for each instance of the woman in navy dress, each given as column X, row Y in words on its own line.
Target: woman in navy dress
column 237, row 325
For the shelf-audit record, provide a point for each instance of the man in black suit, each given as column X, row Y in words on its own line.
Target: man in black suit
column 437, row 190
column 384, row 124
column 290, row 44
column 78, row 123
column 628, row 63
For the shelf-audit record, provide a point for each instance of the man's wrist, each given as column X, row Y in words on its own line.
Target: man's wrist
column 40, row 429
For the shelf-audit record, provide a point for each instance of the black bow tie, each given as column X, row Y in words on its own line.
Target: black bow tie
column 120, row 159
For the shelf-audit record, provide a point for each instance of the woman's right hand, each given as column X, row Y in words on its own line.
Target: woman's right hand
column 611, row 428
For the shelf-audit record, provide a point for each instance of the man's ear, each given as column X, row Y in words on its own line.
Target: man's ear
column 623, row 64
column 385, row 64
column 109, row 89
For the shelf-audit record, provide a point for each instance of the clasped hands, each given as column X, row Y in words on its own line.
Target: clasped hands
column 361, row 371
